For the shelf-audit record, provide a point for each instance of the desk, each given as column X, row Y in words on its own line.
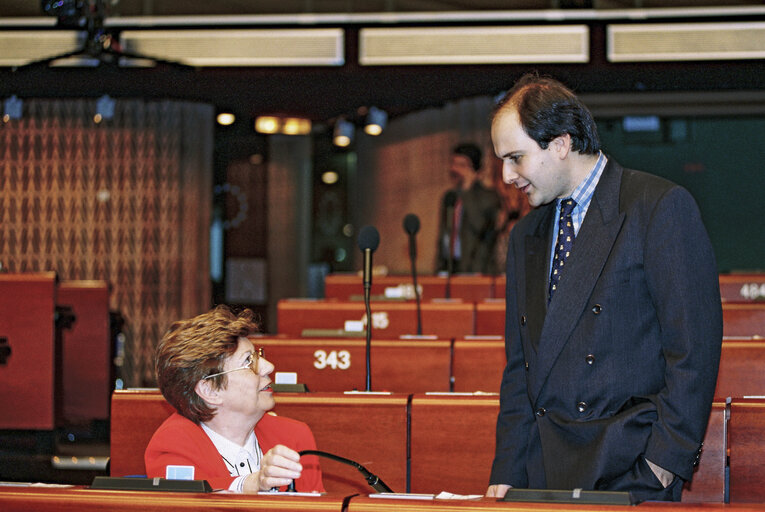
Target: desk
column 445, row 319
column 330, row 364
column 79, row 499
column 742, row 287
column 468, row 287
column 743, row 319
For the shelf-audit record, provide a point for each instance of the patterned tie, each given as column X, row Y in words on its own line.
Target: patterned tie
column 564, row 243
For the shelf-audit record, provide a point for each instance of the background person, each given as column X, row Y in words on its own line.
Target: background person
column 468, row 217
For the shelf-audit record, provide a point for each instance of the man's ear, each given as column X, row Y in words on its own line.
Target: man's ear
column 207, row 392
column 561, row 145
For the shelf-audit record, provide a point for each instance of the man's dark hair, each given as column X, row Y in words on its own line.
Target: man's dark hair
column 472, row 152
column 548, row 109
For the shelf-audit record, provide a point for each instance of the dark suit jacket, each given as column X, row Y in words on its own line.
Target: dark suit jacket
column 622, row 364
column 478, row 231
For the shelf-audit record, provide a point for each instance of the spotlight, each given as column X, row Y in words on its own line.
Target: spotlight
column 104, row 108
column 343, row 133
column 267, row 124
column 225, row 118
column 12, row 108
column 376, row 121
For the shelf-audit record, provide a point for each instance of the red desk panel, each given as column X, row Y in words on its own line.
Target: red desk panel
column 741, row 319
column 490, row 317
column 328, row 364
column 28, row 379
column 77, row 499
column 500, row 283
column 452, row 443
column 742, row 287
column 742, row 368
column 468, row 287
column 478, row 363
column 746, row 429
column 86, row 351
column 708, row 483
column 369, row 429
column 445, row 319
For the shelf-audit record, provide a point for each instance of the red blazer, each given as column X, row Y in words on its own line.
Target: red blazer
column 180, row 441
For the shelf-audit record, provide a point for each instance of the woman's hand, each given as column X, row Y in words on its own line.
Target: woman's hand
column 279, row 466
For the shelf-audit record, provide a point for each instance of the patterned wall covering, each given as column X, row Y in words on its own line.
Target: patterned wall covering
column 126, row 201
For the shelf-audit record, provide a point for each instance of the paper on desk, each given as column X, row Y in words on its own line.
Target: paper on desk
column 402, row 496
column 288, row 493
column 443, row 495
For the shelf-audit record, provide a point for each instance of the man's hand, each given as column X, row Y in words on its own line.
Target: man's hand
column 279, row 466
column 497, row 490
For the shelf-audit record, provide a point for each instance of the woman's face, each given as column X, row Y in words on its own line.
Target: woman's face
column 248, row 391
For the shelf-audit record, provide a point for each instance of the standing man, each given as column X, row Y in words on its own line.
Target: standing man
column 614, row 321
column 468, row 222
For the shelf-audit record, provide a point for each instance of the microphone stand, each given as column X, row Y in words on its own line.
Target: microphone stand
column 367, row 293
column 414, row 281
column 372, row 479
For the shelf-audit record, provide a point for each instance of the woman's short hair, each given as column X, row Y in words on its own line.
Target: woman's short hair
column 195, row 348
column 547, row 110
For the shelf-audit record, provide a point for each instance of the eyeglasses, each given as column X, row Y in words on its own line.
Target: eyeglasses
column 251, row 365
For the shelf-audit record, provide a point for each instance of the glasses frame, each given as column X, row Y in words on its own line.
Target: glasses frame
column 257, row 355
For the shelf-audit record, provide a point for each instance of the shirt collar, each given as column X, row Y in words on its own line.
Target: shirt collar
column 230, row 450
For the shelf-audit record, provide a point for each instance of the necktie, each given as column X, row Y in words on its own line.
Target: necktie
column 564, row 243
column 456, row 222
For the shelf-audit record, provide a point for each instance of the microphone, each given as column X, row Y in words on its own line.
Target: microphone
column 372, row 479
column 412, row 226
column 369, row 239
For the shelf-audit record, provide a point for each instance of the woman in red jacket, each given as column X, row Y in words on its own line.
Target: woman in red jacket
column 218, row 382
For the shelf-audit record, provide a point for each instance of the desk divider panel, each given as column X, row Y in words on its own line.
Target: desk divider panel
column 708, row 483
column 490, row 317
column 31, row 374
column 478, row 363
column 746, row 446
column 742, row 368
column 86, row 351
column 332, row 364
column 370, row 429
column 452, row 442
column 445, row 319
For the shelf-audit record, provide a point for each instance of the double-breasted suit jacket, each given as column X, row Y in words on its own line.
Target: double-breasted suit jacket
column 621, row 365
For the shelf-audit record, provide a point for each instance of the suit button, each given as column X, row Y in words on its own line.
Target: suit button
column 581, row 406
column 597, row 308
column 527, row 365
column 590, row 359
column 523, row 319
column 541, row 412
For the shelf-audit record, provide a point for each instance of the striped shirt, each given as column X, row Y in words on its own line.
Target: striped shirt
column 583, row 196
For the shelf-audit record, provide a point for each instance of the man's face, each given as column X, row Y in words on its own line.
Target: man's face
column 538, row 173
column 460, row 170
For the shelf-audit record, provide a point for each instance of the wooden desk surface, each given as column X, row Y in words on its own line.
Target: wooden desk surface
column 742, row 287
column 744, row 319
column 77, row 499
column 469, row 287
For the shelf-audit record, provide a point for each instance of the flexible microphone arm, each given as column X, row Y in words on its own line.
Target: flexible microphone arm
column 372, row 479
column 369, row 239
column 412, row 226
